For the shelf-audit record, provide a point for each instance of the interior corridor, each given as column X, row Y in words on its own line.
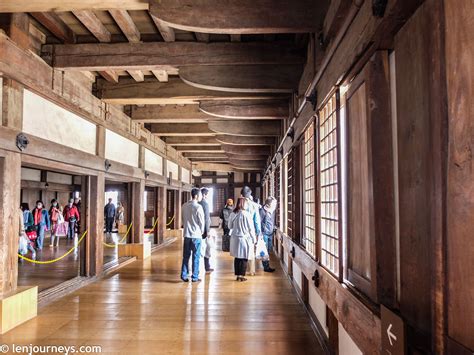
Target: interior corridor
column 145, row 308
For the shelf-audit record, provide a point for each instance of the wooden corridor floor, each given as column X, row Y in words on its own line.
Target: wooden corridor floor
column 145, row 308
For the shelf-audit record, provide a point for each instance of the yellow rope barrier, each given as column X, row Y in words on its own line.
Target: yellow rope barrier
column 171, row 221
column 121, row 240
column 152, row 228
column 57, row 259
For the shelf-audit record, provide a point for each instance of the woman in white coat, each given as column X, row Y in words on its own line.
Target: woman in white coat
column 242, row 238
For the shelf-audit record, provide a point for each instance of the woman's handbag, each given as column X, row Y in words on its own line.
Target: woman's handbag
column 61, row 229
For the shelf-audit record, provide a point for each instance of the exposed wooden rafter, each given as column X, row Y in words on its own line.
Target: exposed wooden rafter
column 181, row 129
column 242, row 140
column 271, row 109
column 192, row 141
column 160, row 55
column 70, row 5
column 53, row 23
column 168, row 114
column 246, row 128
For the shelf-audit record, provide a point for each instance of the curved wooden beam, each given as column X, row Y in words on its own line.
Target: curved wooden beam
column 252, row 157
column 241, row 140
column 246, row 150
column 243, row 78
column 246, row 128
column 240, row 17
column 249, row 164
column 245, row 109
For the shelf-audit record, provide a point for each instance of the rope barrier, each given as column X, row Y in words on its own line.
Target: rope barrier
column 121, row 240
column 57, row 259
column 171, row 221
column 152, row 228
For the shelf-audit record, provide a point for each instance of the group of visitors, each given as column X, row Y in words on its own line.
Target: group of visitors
column 113, row 215
column 248, row 233
column 59, row 221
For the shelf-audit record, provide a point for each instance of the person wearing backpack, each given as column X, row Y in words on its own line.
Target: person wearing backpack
column 71, row 215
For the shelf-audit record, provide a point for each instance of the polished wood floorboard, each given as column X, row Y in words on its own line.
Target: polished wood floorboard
column 144, row 308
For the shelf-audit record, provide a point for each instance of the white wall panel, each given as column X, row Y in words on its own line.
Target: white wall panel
column 319, row 307
column 173, row 168
column 297, row 276
column 30, row 174
column 185, row 175
column 59, row 178
column 153, row 162
column 120, row 149
column 346, row 344
column 44, row 119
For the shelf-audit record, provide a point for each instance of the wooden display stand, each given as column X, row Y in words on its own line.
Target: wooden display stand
column 140, row 250
column 18, row 307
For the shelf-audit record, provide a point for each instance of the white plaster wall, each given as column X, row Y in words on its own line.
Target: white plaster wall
column 153, row 162
column 297, row 276
column 47, row 120
column 222, row 180
column 185, row 175
column 173, row 168
column 206, row 181
column 319, row 307
column 346, row 344
column 59, row 178
column 120, row 149
column 30, row 174
column 285, row 258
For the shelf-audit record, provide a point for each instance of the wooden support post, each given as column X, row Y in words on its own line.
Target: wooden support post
column 100, row 141
column 12, row 104
column 96, row 227
column 10, row 179
column 161, row 214
column 177, row 209
column 138, row 216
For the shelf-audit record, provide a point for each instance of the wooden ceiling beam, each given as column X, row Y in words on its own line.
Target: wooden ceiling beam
column 272, row 109
column 210, row 160
column 243, row 16
column 166, row 32
column 70, row 5
column 226, row 168
column 191, row 141
column 248, row 164
column 53, row 23
column 126, row 24
column 246, row 150
column 94, row 25
column 161, row 75
column 160, row 55
column 137, row 75
column 181, row 129
column 246, row 128
column 202, row 37
column 260, row 157
column 199, row 148
column 205, row 155
column 243, row 78
column 241, row 140
column 168, row 114
column 129, row 92
column 110, row 76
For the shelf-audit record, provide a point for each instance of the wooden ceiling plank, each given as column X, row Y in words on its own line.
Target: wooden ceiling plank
column 199, row 148
column 246, row 128
column 241, row 17
column 93, row 24
column 240, row 109
column 53, row 23
column 161, row 55
column 126, row 24
column 70, row 5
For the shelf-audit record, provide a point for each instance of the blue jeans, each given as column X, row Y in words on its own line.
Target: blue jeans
column 71, row 230
column 268, row 239
column 40, row 236
column 191, row 245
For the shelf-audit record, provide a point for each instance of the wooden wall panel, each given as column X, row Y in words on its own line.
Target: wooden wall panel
column 460, row 202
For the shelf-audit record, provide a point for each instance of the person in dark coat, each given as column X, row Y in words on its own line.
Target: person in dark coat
column 109, row 214
column 224, row 216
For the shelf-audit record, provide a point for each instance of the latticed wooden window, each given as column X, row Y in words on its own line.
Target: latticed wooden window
column 277, row 191
column 219, row 199
column 330, row 189
column 291, row 197
column 309, row 236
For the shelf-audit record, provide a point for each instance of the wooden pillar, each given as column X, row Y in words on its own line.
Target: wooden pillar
column 100, row 142
column 10, row 183
column 161, row 213
column 12, row 104
column 138, row 216
column 177, row 209
column 92, row 221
